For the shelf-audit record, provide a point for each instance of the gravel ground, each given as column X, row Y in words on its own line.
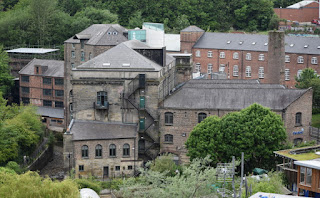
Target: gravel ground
column 54, row 168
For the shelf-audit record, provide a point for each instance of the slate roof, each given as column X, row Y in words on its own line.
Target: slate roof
column 206, row 94
column 121, row 57
column 301, row 4
column 101, row 34
column 55, row 67
column 50, row 112
column 192, row 28
column 256, row 42
column 96, row 130
column 32, row 50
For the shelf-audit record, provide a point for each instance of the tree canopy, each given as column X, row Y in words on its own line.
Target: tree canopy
column 255, row 130
column 6, row 80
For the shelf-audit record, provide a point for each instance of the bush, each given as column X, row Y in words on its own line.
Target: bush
column 315, row 110
column 164, row 163
column 14, row 166
column 86, row 183
column 113, row 184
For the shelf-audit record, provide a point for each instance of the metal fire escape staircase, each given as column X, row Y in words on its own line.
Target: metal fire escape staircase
column 146, row 118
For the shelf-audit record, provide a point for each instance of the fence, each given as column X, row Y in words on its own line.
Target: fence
column 315, row 134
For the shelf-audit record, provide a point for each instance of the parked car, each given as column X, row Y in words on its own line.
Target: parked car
column 315, row 21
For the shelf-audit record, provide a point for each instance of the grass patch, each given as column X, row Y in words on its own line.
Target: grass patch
column 316, row 120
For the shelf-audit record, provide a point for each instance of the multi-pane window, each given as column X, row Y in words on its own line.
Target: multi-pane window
column 198, row 67
column 287, row 59
column 129, row 167
column 201, row 117
column 47, row 92
column 300, row 59
column 126, row 150
column 82, row 56
column 58, row 81
column 25, row 89
column 248, row 56
column 299, row 73
column 235, row 70
column 112, row 150
column 117, row 168
column 81, row 168
column 261, row 72
column 287, row 74
column 25, row 100
column 314, row 60
column 25, row 78
column 210, row 54
column 168, row 118
column 236, row 55
column 84, row 151
column 58, row 93
column 298, row 119
column 198, row 53
column 309, row 177
column 73, row 54
column 222, row 55
column 209, row 68
column 102, row 98
column 248, row 71
column 261, row 57
column 168, row 138
column 58, row 104
column 47, row 103
column 98, row 151
column 47, row 81
column 302, row 174
column 222, row 67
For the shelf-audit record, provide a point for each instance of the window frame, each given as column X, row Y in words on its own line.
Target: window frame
column 25, row 100
column 102, row 95
column 25, row 79
column 261, row 72
column 25, row 90
column 287, row 59
column 168, row 118
column 58, row 81
column 314, row 60
column 222, row 55
column 308, row 177
column 300, row 60
column 201, row 116
column 168, row 138
column 83, row 58
column 287, row 74
column 85, row 152
column 47, row 81
column 46, row 103
column 56, row 93
column 298, row 119
column 44, row 92
column 209, row 55
column 60, row 104
column 73, row 54
column 198, row 67
column 235, row 70
column 98, row 151
column 302, row 175
column 261, row 57
column 126, row 150
column 112, row 150
column 81, row 168
column 198, row 53
column 248, row 71
column 235, row 56
column 210, row 68
column 248, row 56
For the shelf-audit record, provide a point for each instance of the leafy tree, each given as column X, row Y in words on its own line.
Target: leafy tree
column 97, row 16
column 255, row 130
column 284, row 3
column 136, row 20
column 6, row 80
column 165, row 164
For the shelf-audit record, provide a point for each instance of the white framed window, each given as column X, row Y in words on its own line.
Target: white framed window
column 222, row 67
column 314, row 60
column 261, row 72
column 198, row 53
column 209, row 68
column 287, row 74
column 222, row 55
column 235, row 70
column 248, row 71
column 198, row 67
column 299, row 73
column 261, row 57
column 236, row 55
column 287, row 59
column 209, row 54
column 248, row 56
column 300, row 59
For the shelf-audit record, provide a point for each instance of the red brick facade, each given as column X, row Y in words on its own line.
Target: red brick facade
column 304, row 14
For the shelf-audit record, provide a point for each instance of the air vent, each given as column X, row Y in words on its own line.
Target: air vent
column 291, row 45
column 106, row 64
column 253, row 43
column 265, row 44
column 228, row 42
column 125, row 64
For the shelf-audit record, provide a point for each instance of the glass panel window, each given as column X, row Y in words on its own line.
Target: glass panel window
column 25, row 78
column 302, row 174
column 90, row 56
column 102, row 98
column 58, row 81
column 314, row 60
column 82, row 44
column 25, row 89
column 81, row 168
column 73, row 65
column 248, row 56
column 222, row 55
column 201, row 117
column 47, row 81
column 129, row 167
column 299, row 73
column 73, row 54
column 261, row 57
column 58, row 104
column 168, row 138
column 248, row 71
column 84, row 151
column 198, row 53
column 235, row 70
column 261, row 72
column 198, row 67
column 168, row 118
column 287, row 74
column 235, row 55
column 25, row 100
column 117, row 168
column 309, row 177
column 47, row 92
column 126, row 150
column 222, row 67
column 209, row 68
column 300, row 59
column 298, row 119
column 287, row 59
column 210, row 54
column 82, row 56
column 98, row 150
column 112, row 150
column 47, row 103
column 58, row 93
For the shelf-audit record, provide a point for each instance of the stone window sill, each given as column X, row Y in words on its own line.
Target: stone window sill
column 85, row 157
column 168, row 142
column 169, row 124
column 126, row 156
column 98, row 157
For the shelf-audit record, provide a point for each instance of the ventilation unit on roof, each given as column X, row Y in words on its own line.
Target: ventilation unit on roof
column 228, row 42
column 253, row 43
column 318, row 47
column 305, row 46
column 240, row 43
column 125, row 64
column 291, row 45
column 265, row 44
column 106, row 64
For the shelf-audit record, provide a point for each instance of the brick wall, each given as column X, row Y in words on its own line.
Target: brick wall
column 305, row 14
column 188, row 39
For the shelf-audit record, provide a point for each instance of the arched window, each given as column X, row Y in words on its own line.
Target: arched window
column 98, row 150
column 198, row 53
column 71, row 93
column 126, row 150
column 90, row 56
column 287, row 59
column 300, row 59
column 112, row 150
column 235, row 55
column 235, row 70
column 168, row 118
column 298, row 119
column 168, row 138
column 201, row 117
column 248, row 56
column 84, row 151
column 222, row 55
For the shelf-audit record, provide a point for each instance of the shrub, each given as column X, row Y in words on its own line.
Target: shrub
column 86, row 183
column 14, row 166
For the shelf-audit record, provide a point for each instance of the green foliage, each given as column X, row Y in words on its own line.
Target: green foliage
column 31, row 184
column 255, row 130
column 136, row 20
column 284, row 3
column 274, row 22
column 87, row 183
column 6, row 80
column 164, row 164
column 14, row 166
column 304, row 144
column 113, row 184
column 316, row 120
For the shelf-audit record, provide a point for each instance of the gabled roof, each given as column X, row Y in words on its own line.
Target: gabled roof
column 101, row 34
column 55, row 67
column 192, row 28
column 256, row 42
column 207, row 94
column 301, row 4
column 96, row 130
column 122, row 57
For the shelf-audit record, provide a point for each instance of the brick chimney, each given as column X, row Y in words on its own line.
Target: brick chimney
column 188, row 37
column 276, row 58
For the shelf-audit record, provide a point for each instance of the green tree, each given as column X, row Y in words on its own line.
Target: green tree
column 165, row 164
column 136, row 20
column 255, row 130
column 6, row 80
column 97, row 16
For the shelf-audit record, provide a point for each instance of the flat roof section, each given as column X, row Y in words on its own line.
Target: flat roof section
column 32, row 50
column 50, row 112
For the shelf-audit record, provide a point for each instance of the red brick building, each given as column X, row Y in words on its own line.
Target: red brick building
column 42, row 84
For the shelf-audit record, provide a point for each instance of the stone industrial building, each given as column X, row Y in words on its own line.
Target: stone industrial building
column 246, row 56
column 42, row 84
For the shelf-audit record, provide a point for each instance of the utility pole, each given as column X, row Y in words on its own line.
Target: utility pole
column 242, row 170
